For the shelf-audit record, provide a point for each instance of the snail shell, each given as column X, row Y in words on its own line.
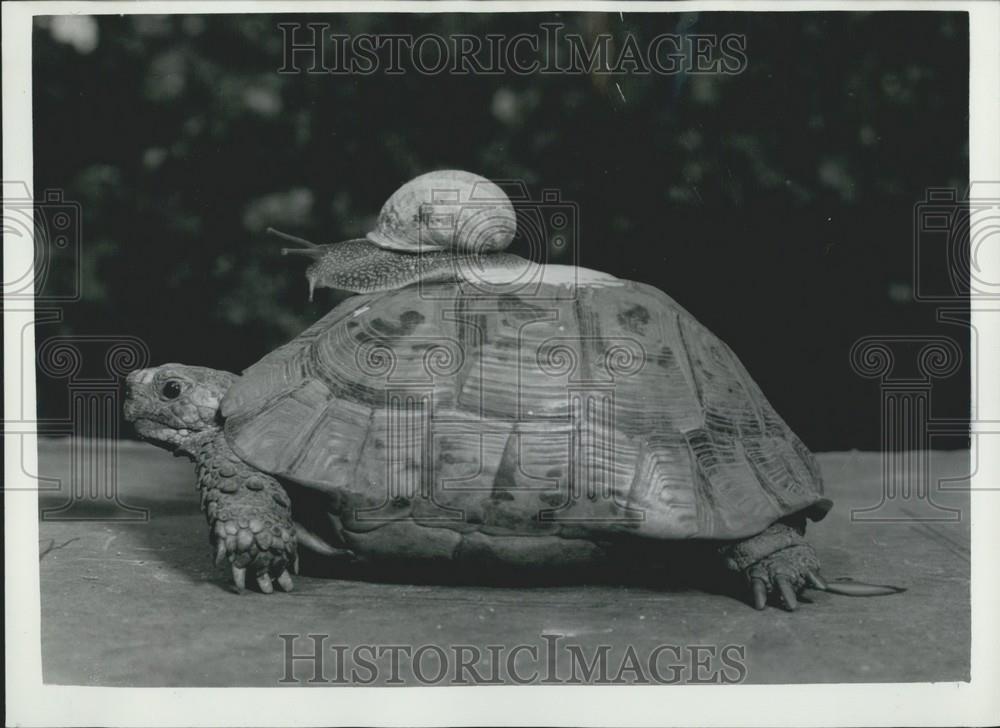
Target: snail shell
column 446, row 210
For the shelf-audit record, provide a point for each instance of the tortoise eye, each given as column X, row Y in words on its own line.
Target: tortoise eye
column 171, row 390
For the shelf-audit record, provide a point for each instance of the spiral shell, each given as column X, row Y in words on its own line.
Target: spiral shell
column 446, row 210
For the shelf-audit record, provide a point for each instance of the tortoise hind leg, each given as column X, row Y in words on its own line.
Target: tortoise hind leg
column 777, row 563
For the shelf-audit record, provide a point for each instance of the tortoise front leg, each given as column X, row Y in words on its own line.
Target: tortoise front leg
column 249, row 515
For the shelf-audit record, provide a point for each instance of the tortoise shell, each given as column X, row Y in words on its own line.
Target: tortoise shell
column 581, row 411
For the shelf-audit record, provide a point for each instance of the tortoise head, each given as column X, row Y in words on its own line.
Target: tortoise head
column 176, row 406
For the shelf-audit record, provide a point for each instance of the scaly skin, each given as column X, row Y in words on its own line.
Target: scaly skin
column 777, row 564
column 249, row 515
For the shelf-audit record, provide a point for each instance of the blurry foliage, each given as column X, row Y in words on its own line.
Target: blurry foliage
column 775, row 204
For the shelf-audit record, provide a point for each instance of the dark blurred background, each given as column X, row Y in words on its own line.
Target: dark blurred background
column 776, row 205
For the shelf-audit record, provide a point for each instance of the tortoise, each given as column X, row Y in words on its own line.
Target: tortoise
column 547, row 421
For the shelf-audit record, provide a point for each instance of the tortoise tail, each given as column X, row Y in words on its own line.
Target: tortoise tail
column 851, row 588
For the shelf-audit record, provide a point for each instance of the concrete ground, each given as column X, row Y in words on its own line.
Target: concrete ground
column 140, row 604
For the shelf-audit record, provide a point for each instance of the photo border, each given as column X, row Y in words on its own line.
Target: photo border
column 30, row 703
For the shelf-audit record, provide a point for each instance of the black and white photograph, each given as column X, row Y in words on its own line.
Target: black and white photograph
column 521, row 363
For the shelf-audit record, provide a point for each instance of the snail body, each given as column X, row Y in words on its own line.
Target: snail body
column 360, row 266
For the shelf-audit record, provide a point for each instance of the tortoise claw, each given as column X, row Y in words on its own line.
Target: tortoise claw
column 815, row 580
column 239, row 578
column 220, row 553
column 787, row 592
column 759, row 594
column 264, row 582
column 285, row 581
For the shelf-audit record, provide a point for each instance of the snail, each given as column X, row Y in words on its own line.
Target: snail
column 442, row 226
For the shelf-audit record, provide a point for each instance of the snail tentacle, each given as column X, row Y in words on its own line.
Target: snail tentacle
column 291, row 238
